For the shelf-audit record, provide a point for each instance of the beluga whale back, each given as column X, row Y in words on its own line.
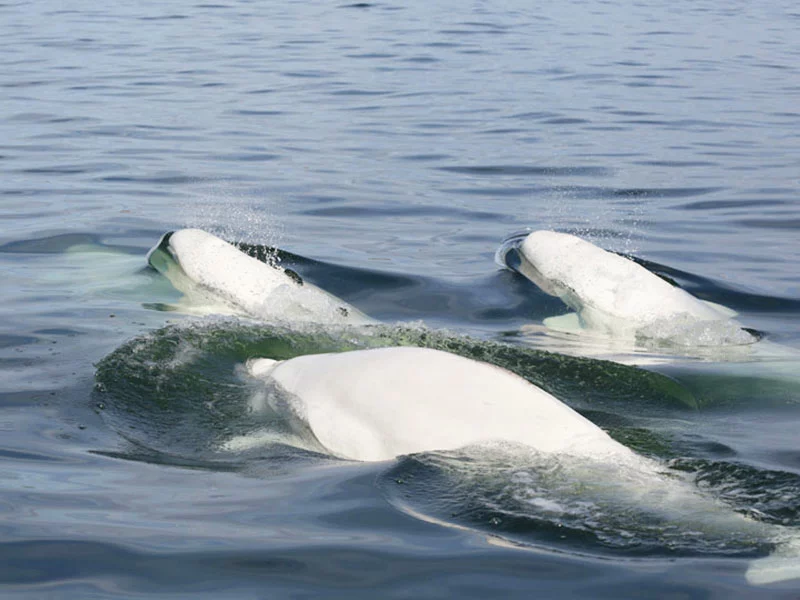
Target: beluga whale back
column 372, row 405
column 612, row 295
column 216, row 274
column 378, row 404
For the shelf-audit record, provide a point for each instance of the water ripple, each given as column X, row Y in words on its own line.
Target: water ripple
column 539, row 171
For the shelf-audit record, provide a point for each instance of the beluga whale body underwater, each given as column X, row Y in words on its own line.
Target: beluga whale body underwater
column 379, row 404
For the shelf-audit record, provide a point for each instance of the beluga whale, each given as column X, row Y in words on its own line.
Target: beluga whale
column 613, row 296
column 379, row 404
column 219, row 278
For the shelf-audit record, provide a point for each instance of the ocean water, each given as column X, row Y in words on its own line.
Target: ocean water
column 387, row 149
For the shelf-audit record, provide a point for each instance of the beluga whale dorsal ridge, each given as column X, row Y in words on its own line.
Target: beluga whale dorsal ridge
column 377, row 404
column 614, row 295
column 204, row 266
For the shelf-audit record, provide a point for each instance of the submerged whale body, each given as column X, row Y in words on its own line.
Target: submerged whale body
column 377, row 404
column 218, row 274
column 615, row 296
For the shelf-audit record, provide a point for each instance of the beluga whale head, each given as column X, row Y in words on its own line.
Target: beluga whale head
column 217, row 277
column 615, row 296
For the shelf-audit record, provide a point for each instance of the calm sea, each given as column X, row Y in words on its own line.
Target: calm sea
column 387, row 149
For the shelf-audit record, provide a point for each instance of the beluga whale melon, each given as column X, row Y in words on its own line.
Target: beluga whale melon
column 614, row 296
column 218, row 276
column 379, row 404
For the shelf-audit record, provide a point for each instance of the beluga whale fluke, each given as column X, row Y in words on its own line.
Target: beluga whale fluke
column 223, row 279
column 616, row 297
column 379, row 404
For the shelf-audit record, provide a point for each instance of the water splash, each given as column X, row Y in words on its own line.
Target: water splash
column 231, row 212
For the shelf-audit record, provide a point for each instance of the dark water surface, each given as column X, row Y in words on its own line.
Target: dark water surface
column 388, row 149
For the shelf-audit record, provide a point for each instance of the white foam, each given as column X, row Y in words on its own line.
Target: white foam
column 782, row 565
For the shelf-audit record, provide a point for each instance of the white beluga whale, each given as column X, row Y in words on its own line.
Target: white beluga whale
column 378, row 404
column 219, row 278
column 615, row 297
column 372, row 405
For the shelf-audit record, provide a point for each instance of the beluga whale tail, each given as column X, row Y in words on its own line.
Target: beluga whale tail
column 217, row 276
column 616, row 297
